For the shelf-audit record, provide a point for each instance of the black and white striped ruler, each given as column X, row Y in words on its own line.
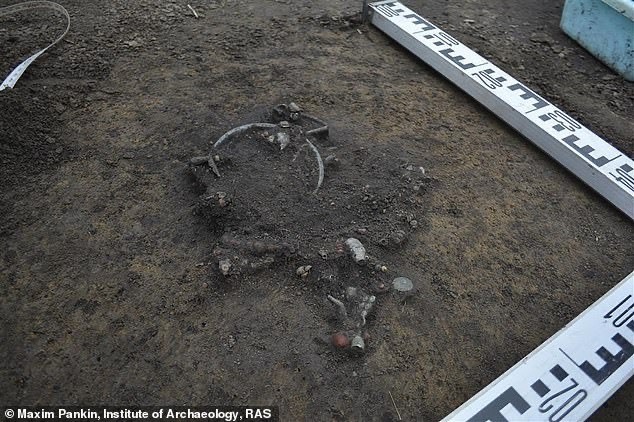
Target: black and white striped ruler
column 597, row 163
column 570, row 375
column 576, row 370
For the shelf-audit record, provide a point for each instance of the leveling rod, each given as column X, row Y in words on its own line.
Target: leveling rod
column 575, row 371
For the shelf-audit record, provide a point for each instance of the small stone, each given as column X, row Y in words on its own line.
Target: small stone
column 217, row 158
column 225, row 266
column 351, row 292
column 259, row 248
column 402, row 284
column 331, row 160
column 303, row 271
column 383, row 269
column 327, row 277
column 413, row 223
column 397, row 237
column 133, row 43
column 542, row 37
column 285, row 124
column 223, row 201
column 357, row 250
column 128, row 155
column 283, row 139
column 197, row 161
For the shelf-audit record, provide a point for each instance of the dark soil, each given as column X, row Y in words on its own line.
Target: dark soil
column 272, row 195
column 262, row 197
column 110, row 291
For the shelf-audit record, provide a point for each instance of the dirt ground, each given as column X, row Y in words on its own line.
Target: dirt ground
column 110, row 291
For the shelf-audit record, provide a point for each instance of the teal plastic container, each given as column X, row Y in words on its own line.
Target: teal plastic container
column 605, row 28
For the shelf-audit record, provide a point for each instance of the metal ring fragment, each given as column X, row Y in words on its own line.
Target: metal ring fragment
column 241, row 129
column 227, row 136
column 320, row 163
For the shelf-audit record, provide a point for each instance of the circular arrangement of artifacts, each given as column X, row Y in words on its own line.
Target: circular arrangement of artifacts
column 282, row 193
